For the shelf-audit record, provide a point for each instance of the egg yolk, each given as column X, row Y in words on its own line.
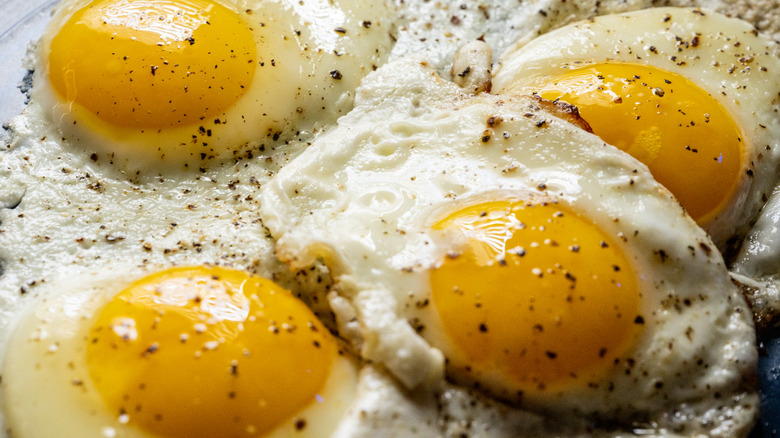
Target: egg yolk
column 208, row 352
column 538, row 298
column 152, row 64
column 685, row 137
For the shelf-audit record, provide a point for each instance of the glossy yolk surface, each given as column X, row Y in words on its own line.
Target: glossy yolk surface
column 152, row 64
column 207, row 352
column 687, row 139
column 538, row 295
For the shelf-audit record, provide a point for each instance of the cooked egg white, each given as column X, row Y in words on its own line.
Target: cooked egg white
column 549, row 269
column 169, row 83
column 438, row 29
column 756, row 266
column 690, row 93
column 182, row 352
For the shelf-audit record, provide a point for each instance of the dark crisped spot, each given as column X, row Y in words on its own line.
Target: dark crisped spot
column 191, row 40
column 639, row 320
column 465, row 72
column 551, row 354
column 335, row 74
column 340, row 30
column 662, row 254
column 300, row 424
column 602, row 352
column 151, row 349
column 417, row 325
column 483, row 328
column 706, row 248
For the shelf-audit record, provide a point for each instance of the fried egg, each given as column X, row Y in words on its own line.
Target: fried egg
column 158, row 84
column 182, row 352
column 690, row 93
column 483, row 240
column 403, row 185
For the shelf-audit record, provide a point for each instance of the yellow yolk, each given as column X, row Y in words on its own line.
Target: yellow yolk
column 207, row 352
column 153, row 64
column 539, row 297
column 687, row 139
